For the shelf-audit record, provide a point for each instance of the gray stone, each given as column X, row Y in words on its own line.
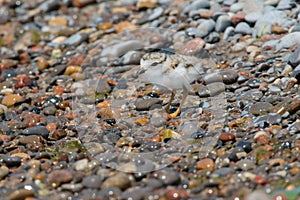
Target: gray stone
column 260, row 108
column 205, row 27
column 243, row 28
column 76, row 39
column 196, row 5
column 37, row 130
column 92, row 181
column 288, row 41
column 222, row 23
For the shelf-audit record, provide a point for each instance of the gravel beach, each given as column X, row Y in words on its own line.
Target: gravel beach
column 79, row 122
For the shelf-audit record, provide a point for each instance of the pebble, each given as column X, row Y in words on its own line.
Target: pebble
column 243, row 28
column 222, row 23
column 76, row 39
column 21, row 194
column 119, row 180
column 57, row 177
column 168, row 176
column 3, row 172
column 12, row 161
column 93, row 181
column 261, row 108
column 206, row 164
column 37, row 130
column 146, row 104
column 205, row 27
column 10, row 99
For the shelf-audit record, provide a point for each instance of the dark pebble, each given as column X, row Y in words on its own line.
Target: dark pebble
column 254, row 83
column 37, row 130
column 12, row 161
column 247, row 146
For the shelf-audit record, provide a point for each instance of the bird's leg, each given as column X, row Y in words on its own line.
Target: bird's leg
column 170, row 101
column 184, row 96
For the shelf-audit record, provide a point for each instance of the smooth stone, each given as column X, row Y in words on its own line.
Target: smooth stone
column 212, row 38
column 21, row 194
column 49, row 110
column 81, row 165
column 58, row 177
column 196, row 5
column 12, row 161
column 119, row 180
column 92, row 181
column 252, row 95
column 74, row 187
column 284, row 5
column 206, row 164
column 257, row 194
column 254, row 83
column 121, row 48
column 260, row 108
column 138, row 193
column 107, row 193
column 296, row 75
column 245, row 165
column 168, row 176
column 229, row 31
column 225, row 137
column 247, row 146
column 157, row 12
column 288, row 41
column 10, row 99
column 243, row 28
column 76, row 39
column 236, row 7
column 31, row 139
column 131, row 58
column 37, row 130
column 222, row 23
column 205, row 27
column 146, row 104
column 3, row 172
column 215, row 88
column 253, row 17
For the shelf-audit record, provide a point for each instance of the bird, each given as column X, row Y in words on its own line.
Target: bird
column 173, row 71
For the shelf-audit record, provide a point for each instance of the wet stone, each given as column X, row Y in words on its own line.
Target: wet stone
column 261, row 108
column 3, row 172
column 120, row 180
column 168, row 176
column 247, row 146
column 12, row 161
column 58, row 177
column 21, row 194
column 76, row 39
column 146, row 104
column 93, row 181
column 37, row 130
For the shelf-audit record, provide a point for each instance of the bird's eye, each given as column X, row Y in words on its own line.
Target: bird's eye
column 154, row 64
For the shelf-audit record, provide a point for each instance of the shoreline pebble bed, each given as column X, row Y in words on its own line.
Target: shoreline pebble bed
column 78, row 122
